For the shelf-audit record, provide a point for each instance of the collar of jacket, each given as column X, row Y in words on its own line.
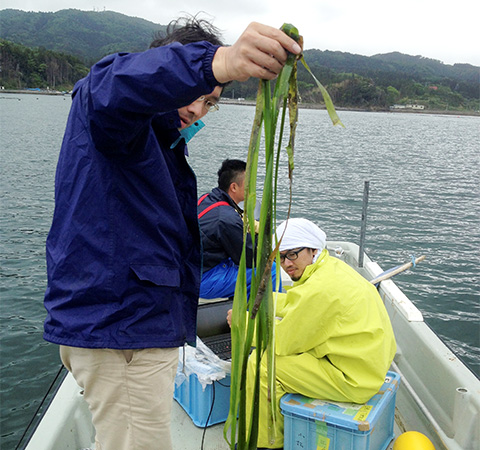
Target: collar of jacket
column 188, row 133
column 167, row 125
column 224, row 196
column 310, row 269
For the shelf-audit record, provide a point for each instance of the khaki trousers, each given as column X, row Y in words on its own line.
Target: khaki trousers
column 129, row 392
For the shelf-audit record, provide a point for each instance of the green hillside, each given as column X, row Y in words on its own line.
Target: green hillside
column 23, row 67
column 380, row 81
column 354, row 81
column 89, row 35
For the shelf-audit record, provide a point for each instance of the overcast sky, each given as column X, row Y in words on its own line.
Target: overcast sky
column 447, row 31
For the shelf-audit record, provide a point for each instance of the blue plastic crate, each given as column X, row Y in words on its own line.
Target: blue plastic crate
column 197, row 402
column 323, row 425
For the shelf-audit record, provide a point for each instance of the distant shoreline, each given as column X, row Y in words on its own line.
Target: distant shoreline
column 28, row 91
column 226, row 101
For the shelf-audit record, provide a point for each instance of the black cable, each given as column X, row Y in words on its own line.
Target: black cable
column 208, row 418
column 224, row 385
column 40, row 406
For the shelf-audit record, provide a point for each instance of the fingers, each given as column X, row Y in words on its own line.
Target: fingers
column 229, row 318
column 260, row 52
column 274, row 42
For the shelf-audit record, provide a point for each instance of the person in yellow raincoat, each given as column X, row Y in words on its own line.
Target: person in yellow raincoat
column 334, row 339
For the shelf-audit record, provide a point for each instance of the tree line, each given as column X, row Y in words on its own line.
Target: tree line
column 54, row 50
column 24, row 68
column 88, row 35
column 374, row 89
column 379, row 82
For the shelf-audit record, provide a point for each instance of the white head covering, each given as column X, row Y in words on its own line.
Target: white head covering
column 301, row 233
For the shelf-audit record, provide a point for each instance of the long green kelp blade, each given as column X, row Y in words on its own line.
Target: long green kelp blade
column 326, row 97
column 257, row 327
column 241, row 339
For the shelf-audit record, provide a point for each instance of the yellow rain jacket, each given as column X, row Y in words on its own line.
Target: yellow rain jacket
column 334, row 341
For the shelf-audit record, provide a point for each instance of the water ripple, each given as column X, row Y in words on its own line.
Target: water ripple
column 424, row 199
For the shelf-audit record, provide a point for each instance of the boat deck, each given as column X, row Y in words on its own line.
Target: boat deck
column 191, row 435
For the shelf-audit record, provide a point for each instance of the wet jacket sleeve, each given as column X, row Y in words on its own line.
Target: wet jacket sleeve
column 124, row 91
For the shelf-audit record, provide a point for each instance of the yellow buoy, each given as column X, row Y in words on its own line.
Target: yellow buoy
column 413, row 440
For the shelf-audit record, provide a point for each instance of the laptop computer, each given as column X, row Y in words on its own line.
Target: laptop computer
column 213, row 329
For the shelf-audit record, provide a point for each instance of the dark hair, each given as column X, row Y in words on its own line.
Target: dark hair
column 187, row 30
column 229, row 172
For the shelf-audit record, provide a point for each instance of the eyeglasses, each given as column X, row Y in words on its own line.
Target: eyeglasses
column 291, row 255
column 209, row 105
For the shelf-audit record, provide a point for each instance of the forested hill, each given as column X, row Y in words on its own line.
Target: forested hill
column 88, row 35
column 375, row 82
column 394, row 77
column 419, row 67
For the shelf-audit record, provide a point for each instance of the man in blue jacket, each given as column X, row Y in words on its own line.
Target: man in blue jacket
column 221, row 229
column 123, row 252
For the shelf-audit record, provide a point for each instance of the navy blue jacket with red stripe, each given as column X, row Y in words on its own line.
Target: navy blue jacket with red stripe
column 221, row 229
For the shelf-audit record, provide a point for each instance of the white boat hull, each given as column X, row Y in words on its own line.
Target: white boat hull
column 438, row 395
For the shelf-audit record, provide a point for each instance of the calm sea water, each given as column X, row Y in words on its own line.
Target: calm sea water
column 424, row 173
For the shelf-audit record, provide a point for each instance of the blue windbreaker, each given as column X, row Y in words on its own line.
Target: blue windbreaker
column 123, row 252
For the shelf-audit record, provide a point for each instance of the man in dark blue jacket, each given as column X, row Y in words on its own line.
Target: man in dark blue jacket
column 123, row 252
column 221, row 228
